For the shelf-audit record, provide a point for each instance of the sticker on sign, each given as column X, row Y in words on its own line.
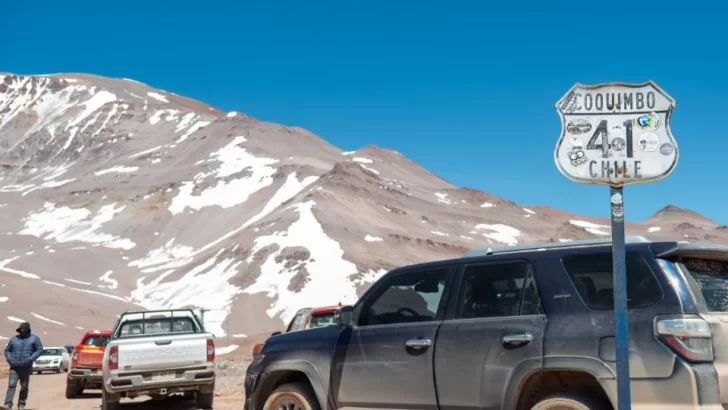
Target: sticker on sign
column 616, row 134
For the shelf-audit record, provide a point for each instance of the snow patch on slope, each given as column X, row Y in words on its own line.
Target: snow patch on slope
column 169, row 256
column 591, row 227
column 65, row 224
column 45, row 319
column 501, row 233
column 206, row 286
column 233, row 159
column 158, row 97
column 328, row 273
column 117, row 170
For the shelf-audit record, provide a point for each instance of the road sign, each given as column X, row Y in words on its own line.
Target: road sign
column 616, row 134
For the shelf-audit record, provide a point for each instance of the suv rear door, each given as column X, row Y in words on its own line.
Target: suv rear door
column 388, row 360
column 493, row 332
column 706, row 274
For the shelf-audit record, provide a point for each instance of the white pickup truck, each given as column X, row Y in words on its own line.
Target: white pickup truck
column 157, row 354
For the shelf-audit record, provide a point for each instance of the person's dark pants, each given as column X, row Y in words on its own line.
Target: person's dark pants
column 22, row 375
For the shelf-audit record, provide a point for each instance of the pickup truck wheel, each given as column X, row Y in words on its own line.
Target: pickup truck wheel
column 572, row 401
column 72, row 390
column 109, row 401
column 292, row 396
column 204, row 400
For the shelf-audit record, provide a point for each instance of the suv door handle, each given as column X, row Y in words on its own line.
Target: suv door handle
column 162, row 342
column 418, row 343
column 516, row 340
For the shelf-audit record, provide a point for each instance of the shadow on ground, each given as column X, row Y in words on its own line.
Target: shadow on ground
column 172, row 403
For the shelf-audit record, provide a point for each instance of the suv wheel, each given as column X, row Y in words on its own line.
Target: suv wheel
column 572, row 401
column 292, row 396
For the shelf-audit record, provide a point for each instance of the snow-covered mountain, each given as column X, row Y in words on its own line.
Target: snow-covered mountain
column 115, row 195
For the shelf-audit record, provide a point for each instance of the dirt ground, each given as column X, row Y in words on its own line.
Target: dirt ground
column 47, row 392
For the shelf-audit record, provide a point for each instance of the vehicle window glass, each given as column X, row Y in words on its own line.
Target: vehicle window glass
column 297, row 321
column 292, row 323
column 531, row 302
column 592, row 276
column 51, row 352
column 98, row 341
column 711, row 277
column 496, row 290
column 406, row 298
column 157, row 326
column 321, row 320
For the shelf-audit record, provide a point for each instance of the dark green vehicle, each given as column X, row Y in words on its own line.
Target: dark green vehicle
column 528, row 327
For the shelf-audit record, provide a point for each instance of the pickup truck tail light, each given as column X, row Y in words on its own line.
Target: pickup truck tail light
column 114, row 357
column 74, row 355
column 688, row 335
column 210, row 350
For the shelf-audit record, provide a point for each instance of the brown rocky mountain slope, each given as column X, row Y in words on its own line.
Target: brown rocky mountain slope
column 116, row 195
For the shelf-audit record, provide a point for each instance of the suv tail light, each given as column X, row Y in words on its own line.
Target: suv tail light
column 689, row 336
column 114, row 357
column 257, row 348
column 210, row 350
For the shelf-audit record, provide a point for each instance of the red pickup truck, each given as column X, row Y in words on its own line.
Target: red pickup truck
column 306, row 318
column 86, row 361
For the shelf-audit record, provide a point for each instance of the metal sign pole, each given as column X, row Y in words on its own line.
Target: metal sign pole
column 621, row 324
column 617, row 134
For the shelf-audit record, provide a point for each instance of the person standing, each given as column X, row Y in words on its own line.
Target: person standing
column 20, row 352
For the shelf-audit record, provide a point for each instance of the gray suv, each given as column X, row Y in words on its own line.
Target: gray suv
column 528, row 327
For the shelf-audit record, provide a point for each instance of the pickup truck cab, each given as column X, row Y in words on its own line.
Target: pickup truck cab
column 157, row 354
column 306, row 318
column 85, row 372
column 516, row 328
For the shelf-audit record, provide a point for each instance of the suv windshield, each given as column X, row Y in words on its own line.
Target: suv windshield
column 324, row 319
column 51, row 352
column 711, row 277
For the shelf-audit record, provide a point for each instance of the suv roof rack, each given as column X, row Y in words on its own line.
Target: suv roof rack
column 556, row 245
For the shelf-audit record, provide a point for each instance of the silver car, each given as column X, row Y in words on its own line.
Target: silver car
column 52, row 359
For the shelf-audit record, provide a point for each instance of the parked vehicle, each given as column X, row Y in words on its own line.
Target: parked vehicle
column 86, row 363
column 306, row 318
column 54, row 359
column 157, row 354
column 309, row 318
column 524, row 327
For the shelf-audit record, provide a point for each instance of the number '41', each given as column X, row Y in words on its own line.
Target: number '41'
column 603, row 143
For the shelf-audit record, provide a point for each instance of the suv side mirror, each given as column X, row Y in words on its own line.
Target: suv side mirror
column 344, row 316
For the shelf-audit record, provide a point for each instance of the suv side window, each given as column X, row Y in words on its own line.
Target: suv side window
column 497, row 290
column 407, row 298
column 592, row 276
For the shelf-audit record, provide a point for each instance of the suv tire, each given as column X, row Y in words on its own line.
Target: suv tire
column 298, row 396
column 572, row 401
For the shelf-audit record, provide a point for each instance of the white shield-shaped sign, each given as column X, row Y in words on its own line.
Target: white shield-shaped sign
column 616, row 134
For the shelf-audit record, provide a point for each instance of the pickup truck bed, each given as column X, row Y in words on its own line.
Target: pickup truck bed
column 156, row 354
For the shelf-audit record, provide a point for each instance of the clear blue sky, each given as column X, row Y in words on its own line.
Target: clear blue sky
column 465, row 88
